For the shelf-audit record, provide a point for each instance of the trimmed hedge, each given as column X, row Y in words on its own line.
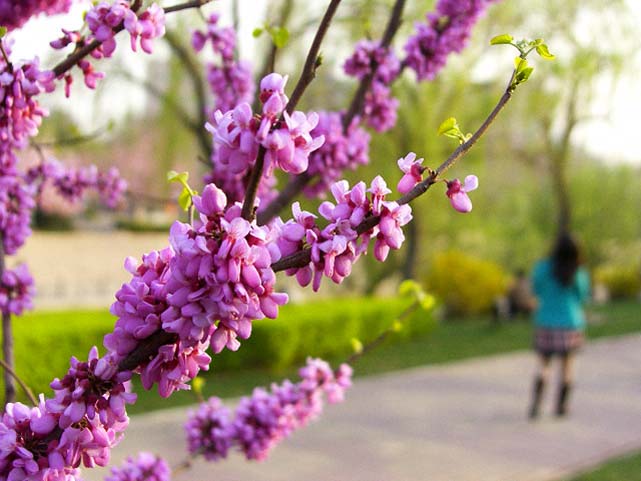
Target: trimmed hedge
column 321, row 328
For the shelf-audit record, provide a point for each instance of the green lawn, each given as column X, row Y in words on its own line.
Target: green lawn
column 60, row 334
column 451, row 340
column 626, row 468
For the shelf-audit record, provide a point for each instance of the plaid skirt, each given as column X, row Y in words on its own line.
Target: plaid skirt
column 557, row 341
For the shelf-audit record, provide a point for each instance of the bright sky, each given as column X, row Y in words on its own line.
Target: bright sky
column 613, row 136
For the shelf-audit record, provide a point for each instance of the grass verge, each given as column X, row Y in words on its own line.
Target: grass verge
column 626, row 468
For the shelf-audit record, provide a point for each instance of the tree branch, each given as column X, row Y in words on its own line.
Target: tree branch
column 7, row 339
column 85, row 50
column 298, row 183
column 356, row 106
column 23, row 385
column 303, row 257
column 311, row 62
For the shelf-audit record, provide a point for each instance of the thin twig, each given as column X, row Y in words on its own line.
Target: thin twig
column 306, row 76
column 358, row 100
column 298, row 183
column 383, row 335
column 193, row 70
column 23, row 385
column 252, row 186
column 187, row 5
column 311, row 62
column 303, row 257
column 80, row 53
column 7, row 338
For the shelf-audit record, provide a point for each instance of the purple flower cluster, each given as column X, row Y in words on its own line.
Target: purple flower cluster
column 207, row 289
column 16, row 205
column 379, row 110
column 145, row 467
column 230, row 81
column 104, row 20
column 412, row 170
column 457, row 193
column 79, row 425
column 73, row 183
column 14, row 13
column 16, row 290
column 20, row 112
column 447, row 30
column 209, row 430
column 369, row 55
column 340, row 151
column 264, row 419
column 288, row 142
column 337, row 246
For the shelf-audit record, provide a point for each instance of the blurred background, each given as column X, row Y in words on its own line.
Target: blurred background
column 565, row 150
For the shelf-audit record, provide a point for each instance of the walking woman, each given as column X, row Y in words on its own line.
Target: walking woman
column 561, row 286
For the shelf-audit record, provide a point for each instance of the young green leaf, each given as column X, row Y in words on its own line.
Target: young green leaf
column 502, row 39
column 448, row 125
column 357, row 346
column 184, row 199
column 544, row 52
column 280, row 36
column 3, row 31
column 257, row 32
column 180, row 177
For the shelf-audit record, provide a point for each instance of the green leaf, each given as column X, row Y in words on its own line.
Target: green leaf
column 3, row 31
column 280, row 36
column 428, row 302
column 180, row 177
column 397, row 326
column 408, row 287
column 357, row 346
column 448, row 125
column 257, row 32
column 184, row 199
column 502, row 39
column 544, row 52
column 197, row 385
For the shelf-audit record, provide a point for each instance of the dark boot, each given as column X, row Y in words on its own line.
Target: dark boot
column 562, row 401
column 537, row 395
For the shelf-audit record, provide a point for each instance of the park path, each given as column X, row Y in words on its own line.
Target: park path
column 463, row 421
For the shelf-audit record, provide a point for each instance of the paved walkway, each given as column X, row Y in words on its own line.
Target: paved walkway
column 460, row 422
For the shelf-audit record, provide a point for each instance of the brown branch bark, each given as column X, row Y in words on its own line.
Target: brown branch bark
column 28, row 392
column 82, row 52
column 311, row 62
column 7, row 340
column 303, row 257
column 198, row 84
column 297, row 184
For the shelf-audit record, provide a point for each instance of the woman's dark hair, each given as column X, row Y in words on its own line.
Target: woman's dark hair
column 566, row 258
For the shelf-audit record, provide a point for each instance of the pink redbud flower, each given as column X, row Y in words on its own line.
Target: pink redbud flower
column 413, row 170
column 273, row 84
column 458, row 193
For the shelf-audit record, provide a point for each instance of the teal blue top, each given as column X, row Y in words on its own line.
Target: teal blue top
column 559, row 306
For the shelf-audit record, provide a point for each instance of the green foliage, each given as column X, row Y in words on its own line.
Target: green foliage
column 626, row 467
column 184, row 199
column 465, row 284
column 44, row 342
column 329, row 329
column 279, row 35
column 322, row 328
column 622, row 280
column 450, row 128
